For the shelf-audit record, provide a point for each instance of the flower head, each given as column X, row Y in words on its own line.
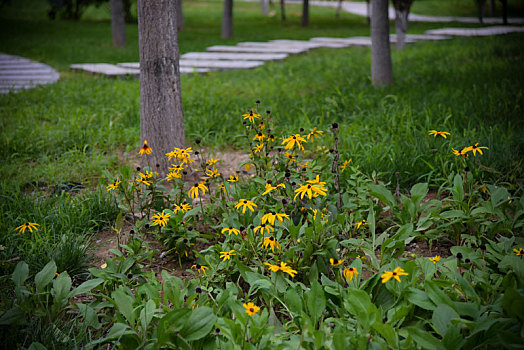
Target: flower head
column 344, row 165
column 173, row 175
column 259, row 136
column 233, row 178
column 293, row 140
column 211, row 173
column 145, row 149
column 435, row 259
column 251, row 308
column 271, row 242
column 28, row 225
column 282, row 267
column 258, row 148
column 270, row 188
column 113, row 186
column 211, row 161
column 161, row 218
column 439, row 133
column 262, row 228
column 314, row 133
column 290, row 157
column 519, row 252
column 475, row 148
column 231, row 230
column 200, row 268
column 361, row 223
column 335, row 262
column 270, row 217
column 463, row 152
column 251, row 116
column 182, row 207
column 227, row 255
column 313, row 188
column 349, row 272
column 244, row 203
column 396, row 273
column 194, row 190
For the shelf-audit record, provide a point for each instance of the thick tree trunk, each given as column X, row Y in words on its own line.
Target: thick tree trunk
column 504, row 11
column 305, row 13
column 263, row 5
column 282, row 10
column 180, row 23
column 118, row 24
column 381, row 66
column 401, row 27
column 227, row 20
column 161, row 114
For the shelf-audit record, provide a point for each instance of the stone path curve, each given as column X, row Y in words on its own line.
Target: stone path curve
column 17, row 73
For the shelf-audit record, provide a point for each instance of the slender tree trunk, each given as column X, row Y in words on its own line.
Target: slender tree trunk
column 339, row 8
column 368, row 7
column 180, row 23
column 161, row 114
column 227, row 20
column 263, row 5
column 283, row 10
column 127, row 11
column 492, row 8
column 504, row 11
column 480, row 6
column 401, row 27
column 381, row 66
column 118, row 24
column 305, row 13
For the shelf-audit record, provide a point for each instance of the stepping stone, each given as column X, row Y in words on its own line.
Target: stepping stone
column 485, row 31
column 17, row 73
column 202, row 66
column 256, row 49
column 353, row 41
column 183, row 70
column 234, row 56
column 105, row 69
column 311, row 45
column 418, row 37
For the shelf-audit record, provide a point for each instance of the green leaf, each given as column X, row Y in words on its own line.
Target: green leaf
column 386, row 331
column 20, row 274
column 36, row 346
column 420, row 298
column 44, row 277
column 442, row 317
column 458, row 188
column 90, row 317
column 424, row 339
column 383, row 194
column 513, row 302
column 61, row 287
column 316, row 301
column 437, row 295
column 85, row 287
column 199, row 324
column 171, row 323
column 13, row 317
column 293, row 301
column 418, row 192
column 147, row 314
column 359, row 304
column 124, row 303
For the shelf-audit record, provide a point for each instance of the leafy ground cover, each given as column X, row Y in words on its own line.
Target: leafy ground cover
column 275, row 263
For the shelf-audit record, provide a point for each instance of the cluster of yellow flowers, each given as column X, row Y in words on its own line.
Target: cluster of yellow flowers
column 182, row 158
column 464, row 151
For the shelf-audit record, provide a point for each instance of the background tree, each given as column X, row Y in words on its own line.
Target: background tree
column 118, row 24
column 504, row 11
column 381, row 66
column 227, row 20
column 305, row 13
column 264, row 7
column 282, row 10
column 180, row 23
column 161, row 114
column 402, row 8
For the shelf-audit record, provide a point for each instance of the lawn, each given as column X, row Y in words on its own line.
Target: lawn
column 332, row 251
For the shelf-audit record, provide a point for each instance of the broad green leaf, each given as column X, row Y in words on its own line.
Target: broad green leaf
column 424, row 339
column 513, row 302
column 147, row 314
column 20, row 274
column 124, row 303
column 198, row 324
column 442, row 317
column 89, row 315
column 383, row 194
column 418, row 192
column 358, row 303
column 316, row 301
column 458, row 188
column 61, row 286
column 387, row 332
column 293, row 301
column 36, row 346
column 171, row 323
column 44, row 277
column 13, row 317
column 436, row 294
column 453, row 339
column 420, row 298
column 340, row 341
column 85, row 287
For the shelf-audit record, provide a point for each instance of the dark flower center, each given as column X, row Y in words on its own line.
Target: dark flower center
column 294, row 137
column 198, row 266
column 245, row 202
column 271, row 239
column 394, row 273
column 308, row 186
column 195, row 185
column 252, row 310
column 230, row 228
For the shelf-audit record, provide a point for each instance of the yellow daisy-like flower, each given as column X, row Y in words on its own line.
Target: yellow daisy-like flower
column 262, row 228
column 314, row 133
column 291, row 141
column 176, row 167
column 258, row 148
column 182, row 207
column 290, row 157
column 475, row 148
column 282, row 267
column 194, row 190
column 200, row 268
column 313, row 188
column 435, row 259
column 231, row 230
column 270, row 188
column 349, row 273
column 211, row 173
column 305, row 165
column 227, row 255
column 113, row 186
column 438, row 133
column 251, row 116
column 519, row 252
column 145, row 149
column 259, row 137
column 27, row 226
column 161, row 218
column 270, row 217
column 223, row 188
column 361, row 223
column 396, row 273
column 233, row 178
column 211, row 161
column 251, row 308
column 463, row 152
column 271, row 242
column 244, row 203
column 344, row 165
column 335, row 262
column 173, row 175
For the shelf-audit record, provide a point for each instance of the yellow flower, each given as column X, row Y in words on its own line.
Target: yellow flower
column 211, row 161
column 161, row 218
column 262, row 228
column 28, row 225
column 476, row 149
column 259, row 137
column 313, row 188
column 463, row 152
column 223, row 188
column 251, row 116
column 291, row 141
column 396, row 273
column 227, row 255
column 435, row 259
column 314, row 133
column 145, row 149
column 361, row 223
column 144, row 178
column 182, row 207
column 349, row 272
column 173, row 175
column 344, row 165
column 290, row 157
column 271, row 242
column 438, row 133
column 211, row 173
column 251, row 308
column 519, row 251
column 193, row 191
column 270, row 188
column 176, row 167
column 270, row 217
column 103, row 266
column 231, row 230
column 305, row 165
column 113, row 186
column 200, row 268
column 282, row 267
column 258, row 148
column 244, row 203
column 335, row 262
column 233, row 178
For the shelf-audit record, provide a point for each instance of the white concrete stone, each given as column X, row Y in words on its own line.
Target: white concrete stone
column 205, row 64
column 252, row 49
column 485, row 31
column 234, row 56
column 105, row 69
column 311, row 45
column 18, row 73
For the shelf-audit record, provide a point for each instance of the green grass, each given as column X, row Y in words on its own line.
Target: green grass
column 465, row 8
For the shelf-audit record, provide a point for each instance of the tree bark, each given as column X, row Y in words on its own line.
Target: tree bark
column 368, row 8
column 402, row 8
column 305, row 13
column 480, row 6
column 161, row 114
column 263, row 5
column 381, row 66
column 282, row 10
column 118, row 23
column 180, row 23
column 339, row 8
column 504, row 11
column 227, row 20
column 492, row 8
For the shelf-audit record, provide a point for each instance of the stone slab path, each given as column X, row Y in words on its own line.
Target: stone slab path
column 18, row 73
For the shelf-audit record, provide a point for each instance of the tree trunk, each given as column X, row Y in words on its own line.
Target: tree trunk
column 282, row 10
column 381, row 66
column 480, row 5
column 227, row 20
column 504, row 11
column 127, row 11
column 401, row 27
column 263, row 5
column 180, row 23
column 492, row 8
column 161, row 114
column 305, row 13
column 339, row 8
column 118, row 24
column 368, row 7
